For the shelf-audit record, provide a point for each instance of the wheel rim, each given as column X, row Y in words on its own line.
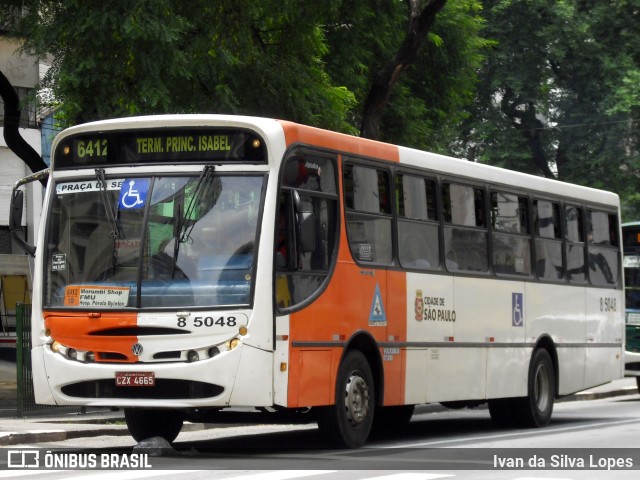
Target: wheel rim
column 356, row 400
column 541, row 388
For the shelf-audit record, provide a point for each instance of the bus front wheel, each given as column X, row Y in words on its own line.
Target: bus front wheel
column 348, row 422
column 143, row 424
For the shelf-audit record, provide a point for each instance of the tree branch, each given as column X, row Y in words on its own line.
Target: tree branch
column 420, row 22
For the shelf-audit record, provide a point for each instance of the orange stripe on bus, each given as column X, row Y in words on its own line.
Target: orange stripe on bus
column 79, row 330
column 339, row 142
column 345, row 307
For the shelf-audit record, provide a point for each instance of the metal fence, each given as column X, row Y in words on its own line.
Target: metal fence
column 26, row 403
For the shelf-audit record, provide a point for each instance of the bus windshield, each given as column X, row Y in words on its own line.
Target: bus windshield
column 148, row 242
column 632, row 286
column 631, row 264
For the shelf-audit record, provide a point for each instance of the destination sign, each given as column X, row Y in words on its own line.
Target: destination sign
column 162, row 145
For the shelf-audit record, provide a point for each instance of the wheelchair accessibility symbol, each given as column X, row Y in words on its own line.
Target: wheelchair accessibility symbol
column 517, row 309
column 133, row 193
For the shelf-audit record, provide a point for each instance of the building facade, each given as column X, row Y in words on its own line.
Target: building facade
column 24, row 73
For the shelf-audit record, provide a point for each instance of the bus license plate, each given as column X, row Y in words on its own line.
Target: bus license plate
column 135, row 379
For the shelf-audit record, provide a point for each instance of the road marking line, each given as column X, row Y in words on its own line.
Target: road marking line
column 282, row 474
column 519, row 433
column 411, row 476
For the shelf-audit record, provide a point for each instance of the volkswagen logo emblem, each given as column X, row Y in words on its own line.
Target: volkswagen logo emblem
column 136, row 349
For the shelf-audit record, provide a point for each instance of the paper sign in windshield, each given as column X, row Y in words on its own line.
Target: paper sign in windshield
column 105, row 297
column 88, row 186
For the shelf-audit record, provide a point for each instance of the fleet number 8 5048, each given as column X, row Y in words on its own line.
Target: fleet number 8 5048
column 208, row 322
column 608, row 304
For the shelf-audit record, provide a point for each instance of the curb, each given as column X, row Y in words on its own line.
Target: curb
column 17, row 438
column 577, row 397
column 41, row 436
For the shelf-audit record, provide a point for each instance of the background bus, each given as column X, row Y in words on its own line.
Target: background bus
column 631, row 262
column 192, row 263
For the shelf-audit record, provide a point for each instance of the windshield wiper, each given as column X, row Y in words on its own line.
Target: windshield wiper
column 104, row 196
column 205, row 176
column 181, row 234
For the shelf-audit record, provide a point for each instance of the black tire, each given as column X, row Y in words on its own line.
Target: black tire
column 638, row 383
column 347, row 424
column 145, row 424
column 536, row 408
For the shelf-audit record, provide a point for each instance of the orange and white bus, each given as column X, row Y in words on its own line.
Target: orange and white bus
column 190, row 263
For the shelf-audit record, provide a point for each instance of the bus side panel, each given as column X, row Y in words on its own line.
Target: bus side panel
column 281, row 361
column 605, row 326
column 41, row 390
column 507, row 371
column 504, row 333
column 317, row 368
column 549, row 308
column 357, row 300
column 417, row 363
column 253, row 384
column 424, row 294
column 482, row 309
column 394, row 358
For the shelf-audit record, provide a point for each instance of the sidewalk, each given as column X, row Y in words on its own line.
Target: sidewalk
column 59, row 427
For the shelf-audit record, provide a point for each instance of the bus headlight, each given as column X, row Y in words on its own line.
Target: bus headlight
column 192, row 356
column 233, row 343
column 55, row 347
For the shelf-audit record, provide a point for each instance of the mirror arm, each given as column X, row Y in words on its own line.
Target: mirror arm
column 14, row 222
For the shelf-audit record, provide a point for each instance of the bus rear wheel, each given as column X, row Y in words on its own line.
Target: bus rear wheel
column 347, row 424
column 143, row 424
column 536, row 408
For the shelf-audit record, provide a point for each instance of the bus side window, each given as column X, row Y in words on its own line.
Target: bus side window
column 602, row 235
column 546, row 216
column 465, row 231
column 574, row 237
column 511, row 239
column 308, row 191
column 418, row 242
column 368, row 212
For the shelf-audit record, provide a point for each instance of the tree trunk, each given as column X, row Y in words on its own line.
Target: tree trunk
column 420, row 22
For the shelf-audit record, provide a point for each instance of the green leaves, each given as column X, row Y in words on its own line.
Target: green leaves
column 306, row 61
column 558, row 93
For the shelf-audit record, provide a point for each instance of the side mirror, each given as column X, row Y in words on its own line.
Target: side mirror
column 16, row 208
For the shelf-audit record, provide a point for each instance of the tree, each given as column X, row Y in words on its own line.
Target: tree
column 557, row 95
column 423, row 106
column 420, row 23
column 311, row 62
column 122, row 58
